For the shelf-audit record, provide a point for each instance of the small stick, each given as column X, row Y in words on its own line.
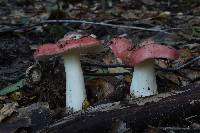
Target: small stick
column 125, row 66
column 106, row 74
column 25, row 28
column 178, row 129
column 183, row 65
column 104, row 65
column 104, row 24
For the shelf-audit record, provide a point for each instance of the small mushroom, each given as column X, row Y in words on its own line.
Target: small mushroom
column 70, row 48
column 144, row 79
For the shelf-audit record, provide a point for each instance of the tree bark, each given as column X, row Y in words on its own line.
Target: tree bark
column 155, row 110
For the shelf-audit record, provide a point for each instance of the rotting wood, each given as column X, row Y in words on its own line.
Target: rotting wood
column 171, row 107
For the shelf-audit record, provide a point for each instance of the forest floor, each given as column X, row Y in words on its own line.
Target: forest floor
column 174, row 23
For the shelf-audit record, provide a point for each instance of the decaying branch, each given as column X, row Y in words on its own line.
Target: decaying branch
column 161, row 109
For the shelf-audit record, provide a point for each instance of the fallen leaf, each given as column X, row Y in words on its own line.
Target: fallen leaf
column 7, row 110
column 129, row 15
column 16, row 96
column 117, row 70
column 98, row 89
column 11, row 88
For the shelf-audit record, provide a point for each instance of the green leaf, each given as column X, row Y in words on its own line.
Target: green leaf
column 13, row 87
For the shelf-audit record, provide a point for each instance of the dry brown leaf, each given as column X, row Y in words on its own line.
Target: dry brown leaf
column 117, row 70
column 7, row 110
column 15, row 96
column 128, row 78
column 130, row 15
column 185, row 54
column 99, row 89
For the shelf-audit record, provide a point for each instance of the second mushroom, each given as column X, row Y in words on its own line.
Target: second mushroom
column 142, row 58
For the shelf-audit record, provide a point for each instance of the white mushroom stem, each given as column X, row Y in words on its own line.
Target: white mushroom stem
column 144, row 80
column 75, row 87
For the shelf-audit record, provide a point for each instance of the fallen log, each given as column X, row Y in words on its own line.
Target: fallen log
column 137, row 114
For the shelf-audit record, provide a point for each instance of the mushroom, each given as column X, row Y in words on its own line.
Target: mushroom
column 142, row 58
column 70, row 48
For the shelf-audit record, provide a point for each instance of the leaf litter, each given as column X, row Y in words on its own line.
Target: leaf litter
column 16, row 48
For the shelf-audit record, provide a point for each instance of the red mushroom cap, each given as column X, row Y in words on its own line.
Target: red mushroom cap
column 120, row 46
column 148, row 50
column 45, row 50
column 69, row 42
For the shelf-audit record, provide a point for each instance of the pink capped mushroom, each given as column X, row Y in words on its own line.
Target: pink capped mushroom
column 70, row 48
column 142, row 58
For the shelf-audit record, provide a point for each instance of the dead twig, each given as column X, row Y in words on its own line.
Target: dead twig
column 102, row 65
column 125, row 66
column 107, row 74
column 178, row 129
column 28, row 27
column 186, row 64
column 105, row 24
